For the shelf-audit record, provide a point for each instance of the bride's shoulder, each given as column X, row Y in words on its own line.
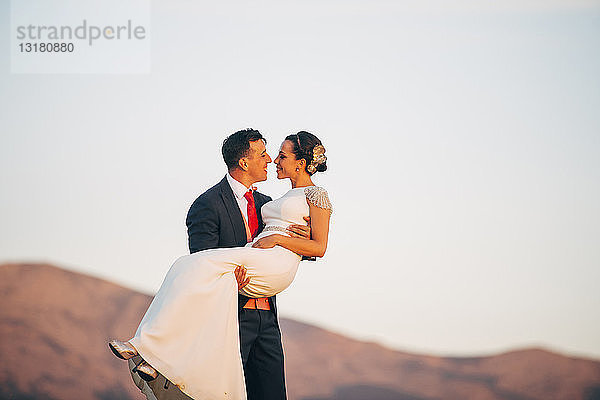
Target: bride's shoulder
column 314, row 190
column 318, row 197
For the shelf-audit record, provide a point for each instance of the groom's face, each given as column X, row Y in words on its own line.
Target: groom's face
column 257, row 161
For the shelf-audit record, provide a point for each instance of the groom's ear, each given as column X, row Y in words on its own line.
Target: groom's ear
column 243, row 164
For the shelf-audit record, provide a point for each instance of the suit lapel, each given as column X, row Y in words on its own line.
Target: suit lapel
column 233, row 210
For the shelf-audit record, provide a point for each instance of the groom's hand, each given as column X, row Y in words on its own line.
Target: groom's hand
column 300, row 231
column 240, row 276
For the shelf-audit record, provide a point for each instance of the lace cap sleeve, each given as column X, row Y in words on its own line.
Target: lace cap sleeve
column 317, row 196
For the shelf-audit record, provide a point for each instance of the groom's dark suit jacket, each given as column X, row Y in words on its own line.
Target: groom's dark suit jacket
column 215, row 221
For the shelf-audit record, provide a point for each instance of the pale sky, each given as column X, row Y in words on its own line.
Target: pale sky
column 463, row 143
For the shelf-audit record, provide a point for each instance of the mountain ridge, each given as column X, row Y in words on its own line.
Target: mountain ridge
column 55, row 323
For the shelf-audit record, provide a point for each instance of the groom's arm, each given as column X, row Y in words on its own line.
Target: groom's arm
column 203, row 233
column 202, row 226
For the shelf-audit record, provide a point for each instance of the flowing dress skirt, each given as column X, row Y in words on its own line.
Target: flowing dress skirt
column 190, row 331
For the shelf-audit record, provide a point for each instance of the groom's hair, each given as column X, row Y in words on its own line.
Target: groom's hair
column 237, row 145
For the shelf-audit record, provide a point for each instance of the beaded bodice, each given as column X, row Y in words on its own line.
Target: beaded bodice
column 292, row 207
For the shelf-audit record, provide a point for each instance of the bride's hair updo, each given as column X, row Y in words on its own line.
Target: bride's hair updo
column 309, row 147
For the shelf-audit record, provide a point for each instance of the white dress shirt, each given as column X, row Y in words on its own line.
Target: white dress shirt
column 239, row 190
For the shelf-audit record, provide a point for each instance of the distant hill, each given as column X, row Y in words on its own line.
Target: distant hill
column 54, row 325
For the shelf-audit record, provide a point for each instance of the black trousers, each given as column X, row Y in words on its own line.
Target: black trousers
column 262, row 355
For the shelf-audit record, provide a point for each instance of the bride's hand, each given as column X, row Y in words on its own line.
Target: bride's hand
column 300, row 231
column 267, row 242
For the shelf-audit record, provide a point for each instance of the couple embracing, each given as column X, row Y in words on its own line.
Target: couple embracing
column 211, row 332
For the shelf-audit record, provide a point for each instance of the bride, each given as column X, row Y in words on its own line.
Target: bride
column 190, row 330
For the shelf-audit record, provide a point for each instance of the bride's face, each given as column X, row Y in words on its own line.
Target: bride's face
column 286, row 162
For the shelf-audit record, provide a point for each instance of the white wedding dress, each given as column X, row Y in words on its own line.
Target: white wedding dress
column 190, row 331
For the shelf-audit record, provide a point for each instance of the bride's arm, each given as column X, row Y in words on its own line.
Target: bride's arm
column 313, row 247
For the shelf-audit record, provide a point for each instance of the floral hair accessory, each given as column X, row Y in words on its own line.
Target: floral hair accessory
column 317, row 159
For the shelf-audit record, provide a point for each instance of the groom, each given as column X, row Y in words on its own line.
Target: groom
column 226, row 215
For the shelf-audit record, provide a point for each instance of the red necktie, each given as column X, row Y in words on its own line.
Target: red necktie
column 252, row 218
column 263, row 303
